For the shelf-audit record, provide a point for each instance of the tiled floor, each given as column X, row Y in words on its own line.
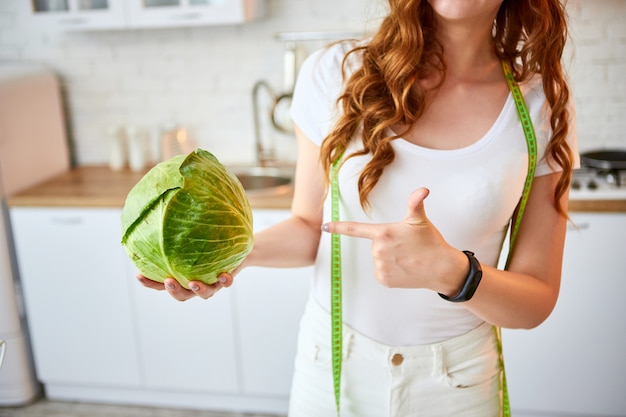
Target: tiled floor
column 45, row 408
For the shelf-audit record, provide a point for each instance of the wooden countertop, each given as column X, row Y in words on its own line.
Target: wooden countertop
column 597, row 206
column 98, row 186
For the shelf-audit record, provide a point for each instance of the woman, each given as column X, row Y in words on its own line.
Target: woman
column 433, row 161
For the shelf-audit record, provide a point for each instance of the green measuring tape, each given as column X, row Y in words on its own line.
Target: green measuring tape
column 335, row 289
column 531, row 144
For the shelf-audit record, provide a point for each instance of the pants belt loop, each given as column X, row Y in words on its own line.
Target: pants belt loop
column 438, row 365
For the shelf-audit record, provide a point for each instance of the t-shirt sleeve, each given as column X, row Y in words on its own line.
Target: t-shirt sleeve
column 314, row 102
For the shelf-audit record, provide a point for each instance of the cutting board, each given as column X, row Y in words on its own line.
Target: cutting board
column 33, row 138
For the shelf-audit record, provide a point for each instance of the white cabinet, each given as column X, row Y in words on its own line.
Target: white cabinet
column 75, row 14
column 269, row 304
column 172, row 13
column 98, row 335
column 574, row 363
column 137, row 14
column 186, row 346
column 76, row 295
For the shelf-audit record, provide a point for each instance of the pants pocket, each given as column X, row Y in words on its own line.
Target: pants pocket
column 471, row 374
column 475, row 365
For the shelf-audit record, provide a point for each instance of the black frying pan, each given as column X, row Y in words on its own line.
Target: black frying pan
column 606, row 159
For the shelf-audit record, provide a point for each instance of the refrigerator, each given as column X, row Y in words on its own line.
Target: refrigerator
column 33, row 148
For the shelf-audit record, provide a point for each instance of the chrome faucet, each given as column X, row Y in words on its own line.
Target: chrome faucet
column 265, row 154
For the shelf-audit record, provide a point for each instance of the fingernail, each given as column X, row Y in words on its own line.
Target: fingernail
column 222, row 279
column 325, row 227
column 194, row 287
column 169, row 286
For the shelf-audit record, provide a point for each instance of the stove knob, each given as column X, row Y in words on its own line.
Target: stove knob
column 576, row 185
column 592, row 185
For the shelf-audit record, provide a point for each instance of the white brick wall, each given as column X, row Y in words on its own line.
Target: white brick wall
column 598, row 70
column 202, row 78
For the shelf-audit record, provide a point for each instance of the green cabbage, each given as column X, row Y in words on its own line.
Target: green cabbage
column 188, row 218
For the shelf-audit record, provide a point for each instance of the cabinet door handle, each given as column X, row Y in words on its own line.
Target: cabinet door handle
column 186, row 16
column 578, row 226
column 3, row 348
column 66, row 221
column 76, row 21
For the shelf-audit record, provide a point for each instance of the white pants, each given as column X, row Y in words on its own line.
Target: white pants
column 454, row 378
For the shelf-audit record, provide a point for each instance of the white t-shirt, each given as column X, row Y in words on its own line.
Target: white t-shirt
column 473, row 193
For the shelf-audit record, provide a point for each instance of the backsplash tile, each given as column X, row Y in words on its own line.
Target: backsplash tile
column 202, row 78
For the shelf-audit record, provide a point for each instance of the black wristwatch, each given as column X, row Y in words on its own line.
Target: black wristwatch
column 471, row 282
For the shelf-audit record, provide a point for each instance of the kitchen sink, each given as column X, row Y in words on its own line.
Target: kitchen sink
column 264, row 180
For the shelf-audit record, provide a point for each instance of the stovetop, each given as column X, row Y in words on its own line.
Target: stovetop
column 594, row 184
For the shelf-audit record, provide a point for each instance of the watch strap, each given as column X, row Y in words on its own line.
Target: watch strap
column 471, row 282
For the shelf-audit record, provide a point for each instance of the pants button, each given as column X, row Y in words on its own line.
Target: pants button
column 397, row 359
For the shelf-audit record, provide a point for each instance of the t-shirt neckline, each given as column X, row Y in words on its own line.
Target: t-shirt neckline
column 489, row 136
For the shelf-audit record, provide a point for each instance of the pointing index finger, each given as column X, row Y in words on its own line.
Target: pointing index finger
column 352, row 229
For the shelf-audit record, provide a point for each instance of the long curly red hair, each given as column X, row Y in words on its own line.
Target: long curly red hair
column 383, row 92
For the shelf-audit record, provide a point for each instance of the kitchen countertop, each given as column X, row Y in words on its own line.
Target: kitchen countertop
column 597, row 206
column 98, row 186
